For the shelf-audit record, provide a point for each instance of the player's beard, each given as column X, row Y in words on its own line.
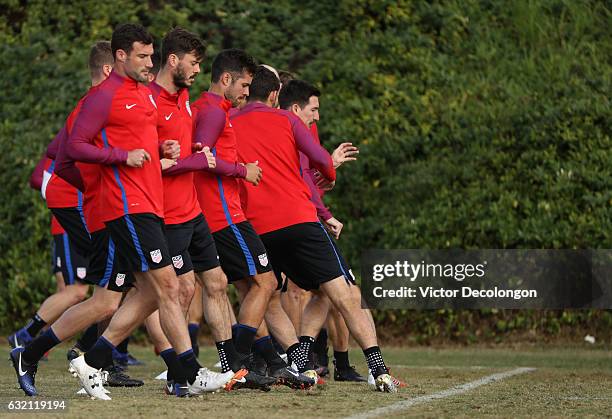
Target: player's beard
column 180, row 78
column 138, row 76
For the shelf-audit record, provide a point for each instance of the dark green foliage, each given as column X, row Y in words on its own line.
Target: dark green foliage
column 481, row 124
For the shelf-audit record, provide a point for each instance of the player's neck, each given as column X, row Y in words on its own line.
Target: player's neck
column 217, row 89
column 164, row 79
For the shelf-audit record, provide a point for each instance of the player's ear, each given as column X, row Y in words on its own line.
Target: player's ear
column 121, row 56
column 226, row 79
column 295, row 108
column 173, row 60
column 106, row 69
column 272, row 98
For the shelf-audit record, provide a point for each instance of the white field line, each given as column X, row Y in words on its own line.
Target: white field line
column 463, row 388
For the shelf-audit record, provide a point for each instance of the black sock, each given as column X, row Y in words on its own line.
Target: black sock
column 320, row 345
column 265, row 348
column 375, row 361
column 342, row 359
column 175, row 372
column 101, row 354
column 277, row 346
column 194, row 330
column 306, row 344
column 245, row 335
column 234, row 330
column 39, row 346
column 189, row 365
column 122, row 348
column 229, row 357
column 297, row 356
column 35, row 325
column 88, row 338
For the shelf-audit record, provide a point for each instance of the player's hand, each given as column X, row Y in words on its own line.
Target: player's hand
column 322, row 183
column 254, row 173
column 171, row 149
column 196, row 147
column 210, row 158
column 167, row 163
column 344, row 153
column 137, row 158
column 334, row 227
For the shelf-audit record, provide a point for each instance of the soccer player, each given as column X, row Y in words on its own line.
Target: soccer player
column 282, row 213
column 121, row 115
column 101, row 272
column 68, row 265
column 242, row 255
column 190, row 241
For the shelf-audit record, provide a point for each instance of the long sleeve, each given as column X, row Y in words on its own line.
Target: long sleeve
column 322, row 211
column 36, row 179
column 90, row 121
column 53, row 146
column 208, row 127
column 319, row 158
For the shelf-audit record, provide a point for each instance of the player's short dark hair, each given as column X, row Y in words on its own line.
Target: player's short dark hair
column 285, row 76
column 100, row 55
column 126, row 34
column 297, row 92
column 264, row 82
column 179, row 42
column 233, row 61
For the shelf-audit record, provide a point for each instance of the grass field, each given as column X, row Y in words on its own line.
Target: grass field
column 565, row 382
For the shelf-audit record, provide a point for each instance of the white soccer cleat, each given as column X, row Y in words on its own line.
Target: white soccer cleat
column 217, row 365
column 91, row 379
column 162, row 376
column 82, row 392
column 385, row 384
column 371, row 381
column 208, row 381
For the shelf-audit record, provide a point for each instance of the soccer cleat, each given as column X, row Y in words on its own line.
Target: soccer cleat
column 19, row 339
column 125, row 360
column 26, row 374
column 82, row 392
column 385, row 384
column 169, row 387
column 348, row 374
column 162, row 376
column 118, row 378
column 181, row 390
column 291, row 378
column 73, row 353
column 91, row 379
column 313, row 374
column 253, row 380
column 372, row 383
column 321, row 362
column 208, row 381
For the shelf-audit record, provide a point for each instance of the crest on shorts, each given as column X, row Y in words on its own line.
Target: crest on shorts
column 59, row 262
column 177, row 261
column 156, row 256
column 120, row 279
column 263, row 259
column 81, row 272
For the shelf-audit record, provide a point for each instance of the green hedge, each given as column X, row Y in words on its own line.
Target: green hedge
column 482, row 124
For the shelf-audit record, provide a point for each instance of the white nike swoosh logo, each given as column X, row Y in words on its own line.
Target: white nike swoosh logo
column 169, row 116
column 130, row 106
column 17, row 345
column 293, row 373
column 21, row 372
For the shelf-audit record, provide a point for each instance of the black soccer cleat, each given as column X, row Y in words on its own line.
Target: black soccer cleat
column 26, row 374
column 348, row 374
column 289, row 377
column 118, row 378
column 255, row 381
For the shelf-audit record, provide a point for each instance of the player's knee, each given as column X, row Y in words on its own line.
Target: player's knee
column 186, row 291
column 169, row 289
column 80, row 293
column 216, row 285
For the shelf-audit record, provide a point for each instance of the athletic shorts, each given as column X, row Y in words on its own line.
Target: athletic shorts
column 103, row 264
column 140, row 242
column 66, row 260
column 73, row 222
column 241, row 252
column 191, row 246
column 305, row 253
